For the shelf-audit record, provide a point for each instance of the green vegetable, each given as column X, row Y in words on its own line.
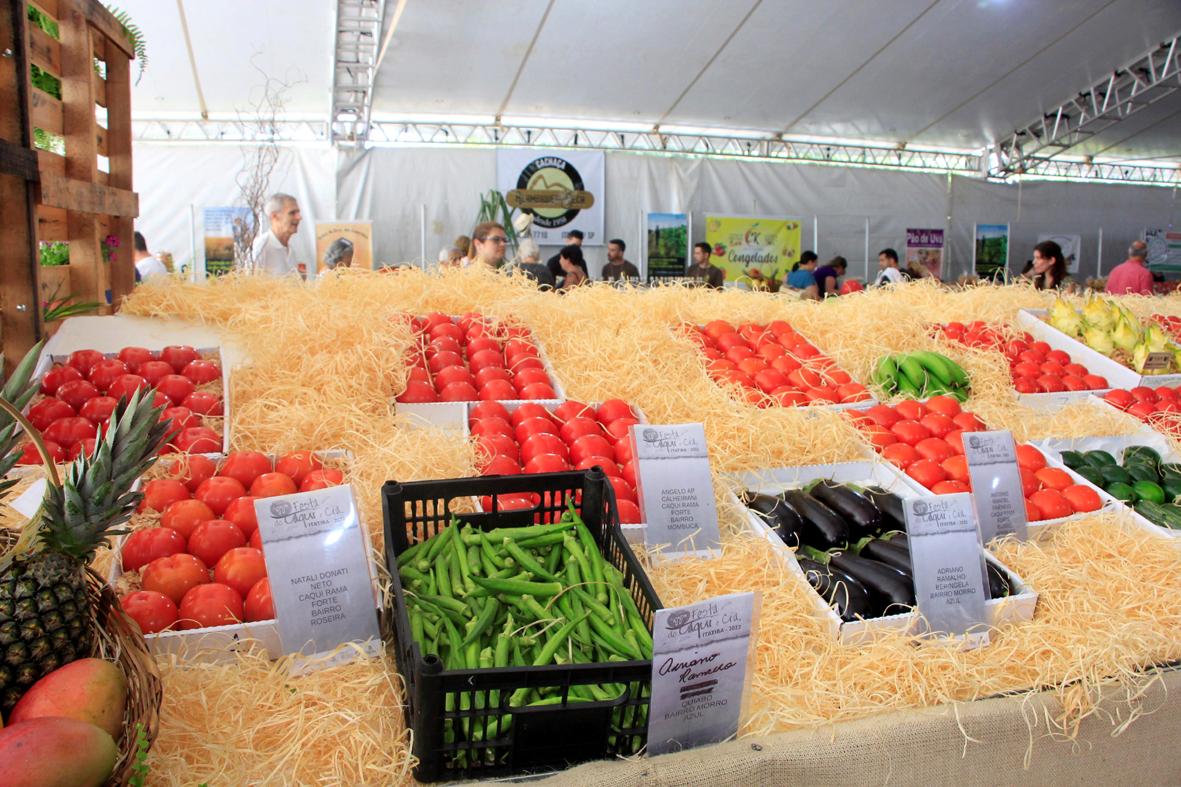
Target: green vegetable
column 1121, row 491
column 1091, row 474
column 1115, row 474
column 1073, row 459
column 1099, row 458
column 1142, row 472
column 1141, row 452
column 1147, row 490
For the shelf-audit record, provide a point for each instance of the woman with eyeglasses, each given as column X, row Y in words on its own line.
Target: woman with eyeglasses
column 489, row 243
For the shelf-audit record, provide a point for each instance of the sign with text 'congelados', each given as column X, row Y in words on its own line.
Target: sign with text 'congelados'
column 676, row 487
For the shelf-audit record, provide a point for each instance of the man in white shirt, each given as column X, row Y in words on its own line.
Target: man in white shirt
column 147, row 265
column 888, row 262
column 272, row 255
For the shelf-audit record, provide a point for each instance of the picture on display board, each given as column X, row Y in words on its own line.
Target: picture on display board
column 347, row 244
column 1071, row 246
column 562, row 191
column 991, row 250
column 1164, row 247
column 759, row 244
column 924, row 249
column 668, row 244
column 223, row 227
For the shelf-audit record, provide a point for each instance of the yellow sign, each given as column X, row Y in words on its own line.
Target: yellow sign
column 745, row 244
column 347, row 244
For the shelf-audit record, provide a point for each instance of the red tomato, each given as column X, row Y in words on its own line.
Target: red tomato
column 620, row 429
column 785, row 364
column 218, row 492
column 628, row 471
column 417, row 392
column 938, row 423
column 538, row 391
column 528, row 427
column 182, row 418
column 955, row 439
column 546, row 463
column 607, row 465
column 81, row 448
column 789, row 397
column 1050, row 384
column 1029, row 457
column 1082, row 498
column 878, row 436
column 134, row 356
column 524, row 377
column 577, row 427
column 968, row 422
column 321, row 479
column 1029, row 482
column 501, row 465
column 623, row 451
column 1051, row 504
column 489, row 410
column 1032, row 514
column 183, row 516
column 203, row 403
column 1054, row 478
column 273, row 484
column 1141, row 410
column 528, row 410
column 927, row 472
column 125, row 385
column 485, row 358
column 1095, row 381
column 458, row 392
column 518, row 502
column 853, row 392
column 176, row 387
column 159, row 493
column 883, row 415
column 77, row 392
column 479, row 343
column 491, row 445
column 258, row 601
column 911, row 432
column 31, row 456
column 1027, row 369
column 146, row 544
column 83, row 360
column 245, row 466
column 543, row 443
column 944, row 405
column 57, row 376
column 178, row 356
column 590, row 445
column 453, row 374
column 614, row 409
column 1026, row 385
column 901, row 454
column 241, row 513
column 298, row 464
column 957, row 468
column 490, row 373
column 152, row 612
column 198, row 440
column 174, row 575
column 1141, row 393
column 495, row 390
column 154, row 371
column 520, row 362
column 210, row 540
column 98, row 409
column 623, row 490
column 202, row 371
column 240, row 568
column 935, row 449
column 629, row 512
column 950, row 487
column 910, row 410
column 48, row 410
column 1052, row 369
column 105, row 372
column 68, row 431
column 211, row 604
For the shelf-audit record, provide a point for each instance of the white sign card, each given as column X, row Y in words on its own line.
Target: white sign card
column 700, row 667
column 28, row 501
column 996, row 484
column 317, row 559
column 676, row 488
column 947, row 562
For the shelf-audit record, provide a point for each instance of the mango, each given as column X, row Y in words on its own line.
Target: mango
column 90, row 690
column 53, row 752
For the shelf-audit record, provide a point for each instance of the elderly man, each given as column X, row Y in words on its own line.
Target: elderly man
column 272, row 254
column 1132, row 275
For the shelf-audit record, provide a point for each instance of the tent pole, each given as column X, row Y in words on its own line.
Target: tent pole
column 867, row 248
column 422, row 235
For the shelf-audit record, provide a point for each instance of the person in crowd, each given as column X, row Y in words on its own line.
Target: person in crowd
column 450, row 257
column 888, row 265
column 1049, row 268
column 339, row 254
column 915, row 270
column 573, row 266
column 271, row 252
column 489, row 243
column 617, row 268
column 702, row 271
column 802, row 277
column 1132, row 275
column 573, row 238
column 528, row 262
column 464, row 244
column 147, row 265
column 827, row 276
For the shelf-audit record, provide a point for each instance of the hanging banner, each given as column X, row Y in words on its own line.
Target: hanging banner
column 924, row 249
column 344, row 244
column 991, row 250
column 745, row 244
column 223, row 226
column 1070, row 244
column 563, row 190
column 668, row 244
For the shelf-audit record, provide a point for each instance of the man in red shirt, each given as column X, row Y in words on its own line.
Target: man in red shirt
column 1132, row 275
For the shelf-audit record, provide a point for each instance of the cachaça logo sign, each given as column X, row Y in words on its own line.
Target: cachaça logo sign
column 552, row 190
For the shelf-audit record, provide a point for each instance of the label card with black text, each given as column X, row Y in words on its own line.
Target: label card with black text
column 676, row 487
column 700, row 671
column 947, row 562
column 996, row 484
column 318, row 561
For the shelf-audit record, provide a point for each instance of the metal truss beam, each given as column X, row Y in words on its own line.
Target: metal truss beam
column 238, row 131
column 1127, row 90
column 358, row 34
column 1107, row 172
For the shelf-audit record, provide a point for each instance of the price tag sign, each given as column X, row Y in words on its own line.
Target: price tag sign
column 676, row 487
column 947, row 561
column 700, row 660
column 1158, row 361
column 28, row 501
column 996, row 484
column 317, row 560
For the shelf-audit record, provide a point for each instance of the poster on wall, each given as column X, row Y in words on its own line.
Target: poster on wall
column 745, row 244
column 924, row 248
column 991, row 250
column 667, row 244
column 344, row 244
column 1071, row 246
column 222, row 227
column 563, row 190
column 1164, row 247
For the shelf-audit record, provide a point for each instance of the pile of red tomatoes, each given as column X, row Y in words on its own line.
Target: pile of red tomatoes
column 1034, row 366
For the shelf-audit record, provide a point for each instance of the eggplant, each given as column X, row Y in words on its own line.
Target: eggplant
column 893, row 553
column 846, row 594
column 998, row 583
column 887, row 586
column 823, row 528
column 778, row 514
column 862, row 515
column 893, row 517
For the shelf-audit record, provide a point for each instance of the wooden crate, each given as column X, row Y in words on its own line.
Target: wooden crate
column 67, row 197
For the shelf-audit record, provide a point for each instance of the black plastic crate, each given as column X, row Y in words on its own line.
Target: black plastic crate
column 465, row 743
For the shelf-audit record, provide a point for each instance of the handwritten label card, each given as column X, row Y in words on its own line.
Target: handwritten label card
column 317, row 559
column 699, row 671
column 676, row 487
column 996, row 484
column 947, row 561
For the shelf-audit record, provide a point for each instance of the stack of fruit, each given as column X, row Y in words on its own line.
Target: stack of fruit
column 921, row 374
column 925, row 440
column 774, row 365
column 534, row 439
column 1139, row 479
column 1157, row 406
column 195, row 559
column 78, row 397
column 474, row 359
column 1034, row 366
column 1112, row 330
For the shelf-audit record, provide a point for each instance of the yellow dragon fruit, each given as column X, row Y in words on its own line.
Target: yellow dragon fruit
column 1098, row 339
column 1125, row 335
column 1099, row 314
column 1156, row 338
column 1064, row 317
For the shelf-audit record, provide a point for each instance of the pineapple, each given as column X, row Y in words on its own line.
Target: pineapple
column 46, row 619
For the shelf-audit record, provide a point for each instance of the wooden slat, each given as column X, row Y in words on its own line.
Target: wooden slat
column 100, row 47
column 119, row 147
column 100, row 140
column 51, row 224
column 18, row 160
column 83, row 197
column 48, row 6
column 78, row 125
column 100, row 91
column 44, row 51
column 88, row 272
column 51, row 163
column 102, row 20
column 101, row 178
column 46, row 111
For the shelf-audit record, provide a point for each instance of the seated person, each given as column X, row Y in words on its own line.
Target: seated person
column 702, row 271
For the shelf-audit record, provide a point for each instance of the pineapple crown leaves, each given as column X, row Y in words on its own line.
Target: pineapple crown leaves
column 18, row 390
column 96, row 496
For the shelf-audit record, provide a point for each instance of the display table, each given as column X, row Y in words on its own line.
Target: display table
column 985, row 742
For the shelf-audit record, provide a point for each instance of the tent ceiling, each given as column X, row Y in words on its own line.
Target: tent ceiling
column 953, row 73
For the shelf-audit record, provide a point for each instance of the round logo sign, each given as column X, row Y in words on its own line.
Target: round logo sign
column 551, row 173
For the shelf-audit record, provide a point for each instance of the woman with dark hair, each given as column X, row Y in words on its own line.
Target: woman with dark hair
column 574, row 266
column 828, row 276
column 1049, row 268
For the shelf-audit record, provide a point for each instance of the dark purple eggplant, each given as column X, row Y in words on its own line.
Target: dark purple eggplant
column 823, row 528
column 892, row 553
column 863, row 516
column 893, row 517
column 778, row 514
column 848, row 596
column 888, row 587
